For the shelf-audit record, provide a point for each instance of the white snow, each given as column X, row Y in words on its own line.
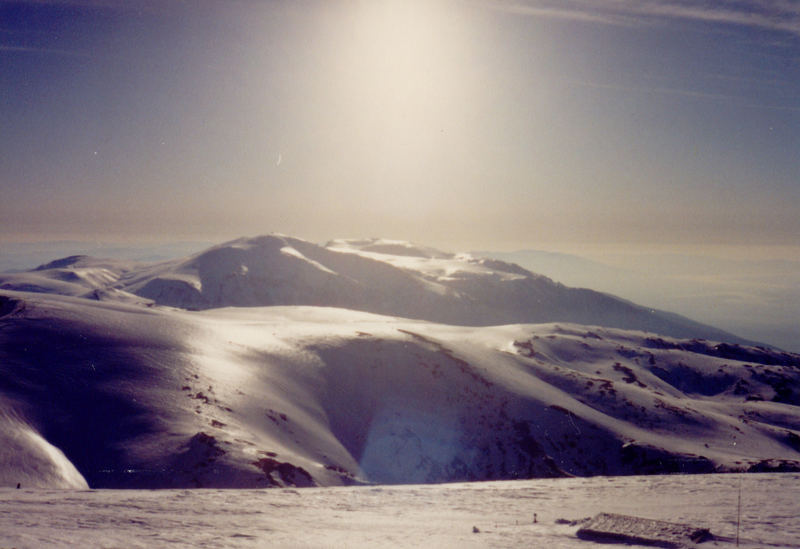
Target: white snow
column 431, row 264
column 375, row 275
column 288, row 250
column 28, row 459
column 249, row 397
column 274, row 362
column 402, row 516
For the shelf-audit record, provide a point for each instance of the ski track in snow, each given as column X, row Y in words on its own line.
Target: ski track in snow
column 401, row 516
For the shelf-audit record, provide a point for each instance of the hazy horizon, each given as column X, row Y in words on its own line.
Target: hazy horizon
column 470, row 124
column 616, row 132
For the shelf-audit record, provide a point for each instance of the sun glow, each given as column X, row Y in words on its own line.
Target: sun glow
column 402, row 53
column 403, row 89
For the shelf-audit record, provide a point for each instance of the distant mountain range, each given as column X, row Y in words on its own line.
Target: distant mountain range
column 272, row 361
column 374, row 275
column 755, row 298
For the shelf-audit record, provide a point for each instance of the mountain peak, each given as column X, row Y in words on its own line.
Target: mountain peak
column 377, row 275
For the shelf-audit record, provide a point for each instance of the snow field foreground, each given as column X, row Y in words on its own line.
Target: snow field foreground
column 440, row 516
column 140, row 397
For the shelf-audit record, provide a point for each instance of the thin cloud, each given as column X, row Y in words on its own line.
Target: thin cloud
column 659, row 90
column 47, row 51
column 153, row 6
column 775, row 15
column 78, row 3
column 86, row 3
column 694, row 94
column 544, row 9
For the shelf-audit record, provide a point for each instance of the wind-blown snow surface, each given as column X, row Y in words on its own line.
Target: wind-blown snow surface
column 138, row 396
column 433, row 516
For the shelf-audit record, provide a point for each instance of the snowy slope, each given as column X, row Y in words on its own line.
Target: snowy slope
column 379, row 276
column 138, row 396
column 77, row 275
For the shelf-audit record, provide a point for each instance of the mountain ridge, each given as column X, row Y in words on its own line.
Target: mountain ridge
column 268, row 374
column 419, row 282
column 286, row 395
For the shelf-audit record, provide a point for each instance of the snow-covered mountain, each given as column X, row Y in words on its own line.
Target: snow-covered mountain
column 374, row 275
column 102, row 385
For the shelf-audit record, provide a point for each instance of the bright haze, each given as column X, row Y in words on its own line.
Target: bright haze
column 474, row 124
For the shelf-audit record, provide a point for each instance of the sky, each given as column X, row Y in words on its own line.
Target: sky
column 463, row 124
